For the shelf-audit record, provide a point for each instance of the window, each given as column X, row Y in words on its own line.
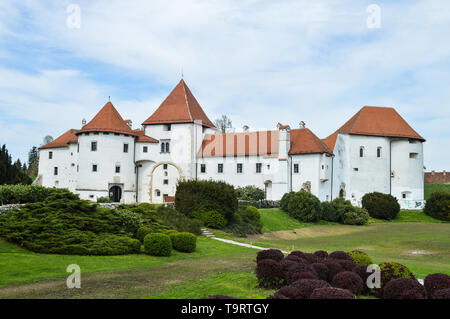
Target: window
column 78, row 168
column 239, row 167
column 356, row 169
column 55, row 170
column 403, row 195
column 413, row 155
column 165, row 147
column 219, row 168
column 166, row 182
column 94, row 167
column 145, row 149
column 78, row 147
column 158, row 192
column 379, row 152
column 94, row 146
column 165, row 166
column 117, row 169
column 125, row 148
column 167, row 127
column 202, row 168
column 258, row 167
column 50, row 155
column 361, row 151
column 296, row 168
column 105, row 133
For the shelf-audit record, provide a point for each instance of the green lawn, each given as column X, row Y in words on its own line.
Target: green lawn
column 429, row 188
column 275, row 219
column 415, row 216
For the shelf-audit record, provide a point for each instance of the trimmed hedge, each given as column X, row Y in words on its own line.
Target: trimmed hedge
column 284, row 202
column 195, row 195
column 348, row 280
column 273, row 254
column 184, row 242
column 157, row 244
column 142, row 232
column 438, row 206
column 269, row 274
column 173, row 219
column 381, row 206
column 304, row 207
column 392, row 270
column 360, row 257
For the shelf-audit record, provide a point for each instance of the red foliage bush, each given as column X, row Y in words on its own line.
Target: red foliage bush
column 285, row 265
column 296, row 258
column 401, row 288
column 342, row 255
column 347, row 265
column 361, row 271
column 302, row 275
column 269, row 274
column 298, row 253
column 296, row 269
column 307, row 286
column 442, row 294
column 333, row 269
column 436, row 282
column 311, row 258
column 348, row 280
column 331, row 293
column 321, row 270
column 290, row 292
column 411, row 294
column 273, row 254
column 321, row 255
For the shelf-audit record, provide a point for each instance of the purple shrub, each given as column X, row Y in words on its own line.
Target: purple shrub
column 331, row 293
column 333, row 269
column 321, row 270
column 442, row 294
column 347, row 265
column 436, row 282
column 339, row 254
column 307, row 286
column 291, row 292
column 269, row 274
column 398, row 288
column 348, row 280
column 321, row 255
column 273, row 254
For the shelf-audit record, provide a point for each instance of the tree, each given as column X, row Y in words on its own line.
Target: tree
column 223, row 123
column 11, row 173
column 33, row 161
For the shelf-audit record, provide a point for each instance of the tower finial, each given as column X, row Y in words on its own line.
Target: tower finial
column 109, row 98
column 182, row 74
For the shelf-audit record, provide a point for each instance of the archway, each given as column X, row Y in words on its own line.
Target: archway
column 268, row 190
column 152, row 173
column 115, row 194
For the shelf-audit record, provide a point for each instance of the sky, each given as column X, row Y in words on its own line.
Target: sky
column 259, row 62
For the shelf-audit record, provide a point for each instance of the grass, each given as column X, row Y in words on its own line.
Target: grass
column 429, row 188
column 274, row 219
column 411, row 216
column 18, row 265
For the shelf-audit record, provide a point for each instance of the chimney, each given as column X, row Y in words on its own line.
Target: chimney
column 83, row 122
column 284, row 140
column 245, row 128
column 432, row 173
column 302, row 124
column 444, row 172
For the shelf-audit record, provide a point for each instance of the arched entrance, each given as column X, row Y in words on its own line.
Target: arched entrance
column 115, row 194
column 268, row 190
column 164, row 177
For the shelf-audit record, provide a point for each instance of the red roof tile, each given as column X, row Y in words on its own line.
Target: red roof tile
column 303, row 141
column 107, row 120
column 179, row 107
column 263, row 143
column 379, row 121
column 62, row 141
column 330, row 141
column 144, row 138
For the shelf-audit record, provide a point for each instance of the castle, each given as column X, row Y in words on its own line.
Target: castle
column 376, row 150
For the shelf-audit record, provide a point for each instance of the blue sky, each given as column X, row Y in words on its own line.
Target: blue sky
column 259, row 62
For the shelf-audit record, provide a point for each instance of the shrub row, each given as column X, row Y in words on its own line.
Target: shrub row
column 159, row 244
column 22, row 194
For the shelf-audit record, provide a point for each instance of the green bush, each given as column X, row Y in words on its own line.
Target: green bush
column 357, row 216
column 246, row 221
column 381, row 206
column 103, row 199
column 157, row 244
column 185, row 242
column 135, row 245
column 360, row 257
column 284, row 202
column 438, row 206
column 329, row 212
column 142, row 232
column 211, row 218
column 130, row 220
column 250, row 193
column 305, row 207
column 173, row 219
column 392, row 270
column 192, row 196
column 22, row 194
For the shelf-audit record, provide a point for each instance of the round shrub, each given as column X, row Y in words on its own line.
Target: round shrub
column 396, row 288
column 331, row 293
column 252, row 213
column 284, row 202
column 157, row 244
column 442, row 294
column 348, row 280
column 321, row 255
column 411, row 294
column 296, row 259
column 131, row 220
column 289, row 292
column 299, row 254
column 330, row 213
column 185, row 242
column 361, row 271
column 135, row 245
column 142, row 232
column 304, row 207
column 273, row 254
column 311, row 258
column 321, row 270
column 285, row 265
column 357, row 216
column 392, row 270
column 435, row 282
column 341, row 206
column 211, row 218
column 381, row 206
column 347, row 265
column 333, row 269
column 295, row 270
column 302, row 275
column 269, row 274
column 438, row 206
column 360, row 257
column 339, row 254
column 307, row 286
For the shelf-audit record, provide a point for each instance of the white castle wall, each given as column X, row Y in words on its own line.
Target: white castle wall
column 65, row 158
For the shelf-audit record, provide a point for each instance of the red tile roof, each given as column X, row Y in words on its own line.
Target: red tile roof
column 437, row 177
column 64, row 140
column 144, row 138
column 379, row 121
column 263, row 143
column 107, row 120
column 303, row 141
column 330, row 141
column 179, row 107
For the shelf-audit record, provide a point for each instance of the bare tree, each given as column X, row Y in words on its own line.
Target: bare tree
column 223, row 123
